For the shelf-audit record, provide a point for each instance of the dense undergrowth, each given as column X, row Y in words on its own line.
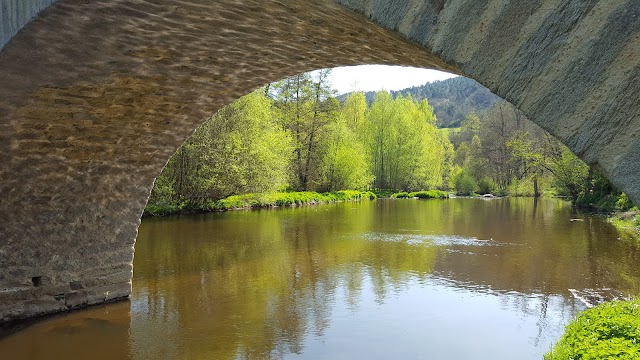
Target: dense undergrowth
column 607, row 331
column 257, row 201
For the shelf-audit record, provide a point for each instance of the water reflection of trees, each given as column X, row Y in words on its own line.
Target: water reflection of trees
column 257, row 289
column 256, row 285
column 539, row 250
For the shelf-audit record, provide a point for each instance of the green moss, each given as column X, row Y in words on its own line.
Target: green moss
column 607, row 331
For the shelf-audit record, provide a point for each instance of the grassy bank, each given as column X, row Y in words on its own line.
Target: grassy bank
column 258, row 201
column 425, row 194
column 607, row 331
column 627, row 221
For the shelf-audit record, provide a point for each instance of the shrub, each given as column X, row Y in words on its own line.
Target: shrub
column 607, row 331
column 381, row 193
column 623, row 203
column 254, row 201
column 425, row 194
column 486, row 186
column 430, row 194
column 161, row 210
column 465, row 184
column 400, row 195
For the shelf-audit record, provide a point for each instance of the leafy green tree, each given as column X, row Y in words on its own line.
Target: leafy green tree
column 465, row 183
column 406, row 149
column 531, row 156
column 306, row 108
column 295, row 134
column 570, row 173
column 354, row 111
column 345, row 164
column 241, row 149
column 377, row 132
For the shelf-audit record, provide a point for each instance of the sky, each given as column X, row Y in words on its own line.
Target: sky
column 382, row 77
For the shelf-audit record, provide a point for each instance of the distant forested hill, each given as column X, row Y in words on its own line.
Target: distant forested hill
column 451, row 99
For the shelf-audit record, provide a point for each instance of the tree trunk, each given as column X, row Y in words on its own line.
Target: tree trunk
column 536, row 191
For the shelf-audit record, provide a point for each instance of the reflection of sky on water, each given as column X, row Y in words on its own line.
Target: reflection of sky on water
column 432, row 240
column 438, row 319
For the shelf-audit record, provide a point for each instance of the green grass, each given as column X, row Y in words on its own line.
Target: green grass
column 256, row 201
column 627, row 223
column 607, row 331
column 161, row 210
column 425, row 194
column 630, row 222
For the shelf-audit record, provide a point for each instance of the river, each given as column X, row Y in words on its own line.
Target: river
column 386, row 279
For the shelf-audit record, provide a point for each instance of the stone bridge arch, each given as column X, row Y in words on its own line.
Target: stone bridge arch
column 95, row 95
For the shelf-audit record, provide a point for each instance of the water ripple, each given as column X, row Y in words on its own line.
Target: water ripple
column 432, row 240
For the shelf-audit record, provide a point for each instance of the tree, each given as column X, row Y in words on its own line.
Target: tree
column 345, row 164
column 529, row 154
column 306, row 110
column 570, row 173
column 241, row 149
column 377, row 136
column 406, row 150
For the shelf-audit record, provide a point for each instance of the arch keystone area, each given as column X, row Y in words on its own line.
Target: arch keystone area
column 95, row 95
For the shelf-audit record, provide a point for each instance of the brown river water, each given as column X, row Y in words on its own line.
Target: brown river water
column 386, row 279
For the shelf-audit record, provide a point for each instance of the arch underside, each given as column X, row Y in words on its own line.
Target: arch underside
column 95, row 96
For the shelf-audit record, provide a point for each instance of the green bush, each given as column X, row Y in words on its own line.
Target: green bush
column 382, row 193
column 487, row 186
column 599, row 194
column 607, row 331
column 161, row 210
column 623, row 203
column 400, row 195
column 465, row 184
column 424, row 194
column 597, row 201
column 430, row 194
column 255, row 201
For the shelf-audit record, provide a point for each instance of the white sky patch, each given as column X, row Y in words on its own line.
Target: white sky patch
column 382, row 77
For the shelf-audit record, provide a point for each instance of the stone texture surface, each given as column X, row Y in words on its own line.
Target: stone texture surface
column 95, row 95
column 15, row 14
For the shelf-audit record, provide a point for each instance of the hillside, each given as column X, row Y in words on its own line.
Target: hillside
column 451, row 99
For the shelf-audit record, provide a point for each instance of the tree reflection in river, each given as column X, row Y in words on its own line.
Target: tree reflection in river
column 267, row 279
column 451, row 279
column 259, row 282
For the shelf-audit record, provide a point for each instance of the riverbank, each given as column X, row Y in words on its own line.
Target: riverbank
column 258, row 201
column 627, row 221
column 424, row 194
column 610, row 330
column 607, row 331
